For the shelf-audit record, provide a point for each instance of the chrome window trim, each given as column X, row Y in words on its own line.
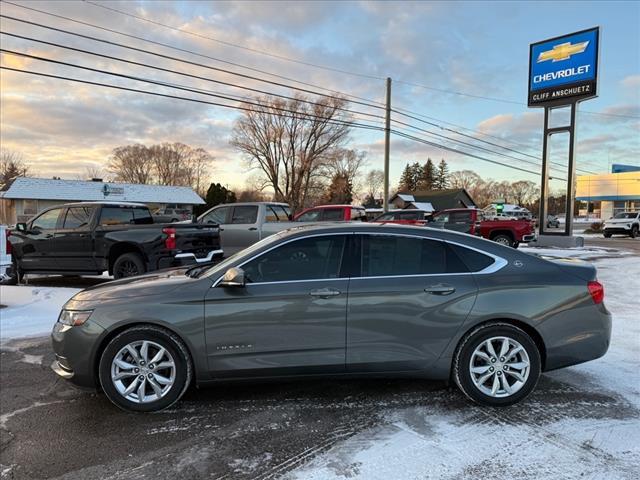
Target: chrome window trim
column 498, row 262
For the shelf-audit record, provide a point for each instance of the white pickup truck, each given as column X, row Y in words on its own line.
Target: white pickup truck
column 243, row 224
column 5, row 253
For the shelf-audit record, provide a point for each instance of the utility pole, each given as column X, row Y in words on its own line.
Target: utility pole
column 387, row 135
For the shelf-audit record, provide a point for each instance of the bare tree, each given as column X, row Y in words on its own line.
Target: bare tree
column 290, row 141
column 524, row 192
column 12, row 165
column 467, row 179
column 132, row 163
column 374, row 183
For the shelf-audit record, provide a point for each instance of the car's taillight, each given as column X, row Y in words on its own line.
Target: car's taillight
column 8, row 243
column 170, row 241
column 597, row 291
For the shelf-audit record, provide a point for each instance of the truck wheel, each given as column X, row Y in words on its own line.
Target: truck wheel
column 145, row 369
column 14, row 275
column 128, row 265
column 503, row 239
column 634, row 231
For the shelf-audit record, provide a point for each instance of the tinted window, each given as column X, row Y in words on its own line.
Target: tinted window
column 395, row 255
column 275, row 213
column 244, row 215
column 142, row 216
column 460, row 217
column 310, row 216
column 305, row 259
column 475, row 261
column 219, row 216
column 116, row 216
column 47, row 220
column 333, row 214
column 410, row 216
column 385, row 216
column 77, row 217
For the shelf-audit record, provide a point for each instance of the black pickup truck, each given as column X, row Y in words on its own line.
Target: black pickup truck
column 88, row 238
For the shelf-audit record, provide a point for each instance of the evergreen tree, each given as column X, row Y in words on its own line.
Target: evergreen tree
column 340, row 190
column 442, row 176
column 427, row 176
column 407, row 183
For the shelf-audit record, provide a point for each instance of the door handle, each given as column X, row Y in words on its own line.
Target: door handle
column 325, row 292
column 440, row 289
column 251, row 229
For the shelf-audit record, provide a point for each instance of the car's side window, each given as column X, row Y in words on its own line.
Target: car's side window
column 312, row 258
column 311, row 216
column 46, row 221
column 333, row 214
column 390, row 255
column 116, row 216
column 460, row 217
column 244, row 215
column 218, row 215
column 475, row 261
column 77, row 217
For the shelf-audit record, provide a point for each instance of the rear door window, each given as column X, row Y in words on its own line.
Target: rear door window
column 77, row 217
column 243, row 215
column 116, row 216
column 275, row 213
column 390, row 255
column 474, row 260
column 460, row 217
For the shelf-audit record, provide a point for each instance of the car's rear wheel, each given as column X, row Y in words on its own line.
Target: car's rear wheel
column 145, row 369
column 497, row 365
column 128, row 265
column 503, row 239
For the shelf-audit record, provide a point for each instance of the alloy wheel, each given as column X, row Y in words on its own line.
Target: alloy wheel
column 127, row 268
column 143, row 371
column 499, row 367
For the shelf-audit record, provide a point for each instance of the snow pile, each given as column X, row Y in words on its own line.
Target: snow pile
column 30, row 311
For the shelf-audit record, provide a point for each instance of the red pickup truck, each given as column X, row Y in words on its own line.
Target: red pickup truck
column 470, row 220
column 332, row 213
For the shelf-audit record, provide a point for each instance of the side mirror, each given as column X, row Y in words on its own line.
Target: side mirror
column 234, row 277
column 21, row 227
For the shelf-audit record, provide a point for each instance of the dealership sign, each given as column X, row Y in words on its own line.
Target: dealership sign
column 564, row 69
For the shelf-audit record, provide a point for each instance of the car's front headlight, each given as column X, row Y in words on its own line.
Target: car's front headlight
column 74, row 317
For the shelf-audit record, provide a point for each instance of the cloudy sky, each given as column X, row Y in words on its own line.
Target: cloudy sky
column 441, row 57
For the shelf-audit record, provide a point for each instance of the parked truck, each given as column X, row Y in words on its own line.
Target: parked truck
column 121, row 238
column 471, row 220
column 243, row 224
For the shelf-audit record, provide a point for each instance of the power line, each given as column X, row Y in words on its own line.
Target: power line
column 333, row 69
column 155, row 82
column 155, row 67
column 184, row 50
column 238, row 107
column 230, row 44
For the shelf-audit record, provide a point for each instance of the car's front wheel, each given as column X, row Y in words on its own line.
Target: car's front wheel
column 634, row 231
column 503, row 239
column 145, row 368
column 497, row 365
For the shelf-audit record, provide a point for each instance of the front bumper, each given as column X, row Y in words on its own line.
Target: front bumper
column 617, row 229
column 75, row 349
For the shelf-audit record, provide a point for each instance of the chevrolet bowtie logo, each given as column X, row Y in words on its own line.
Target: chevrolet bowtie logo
column 562, row 51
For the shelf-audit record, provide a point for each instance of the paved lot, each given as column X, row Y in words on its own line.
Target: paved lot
column 50, row 429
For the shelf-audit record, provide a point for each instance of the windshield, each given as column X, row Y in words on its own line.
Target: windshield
column 626, row 215
column 224, row 265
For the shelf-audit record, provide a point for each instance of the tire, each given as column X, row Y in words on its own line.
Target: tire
column 180, row 375
column 128, row 265
column 503, row 239
column 474, row 342
column 607, row 235
column 15, row 277
column 634, row 231
column 173, row 220
column 515, row 244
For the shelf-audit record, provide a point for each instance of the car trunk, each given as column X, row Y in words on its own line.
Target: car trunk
column 578, row 268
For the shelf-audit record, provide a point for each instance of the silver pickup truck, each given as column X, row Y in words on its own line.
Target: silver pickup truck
column 243, row 224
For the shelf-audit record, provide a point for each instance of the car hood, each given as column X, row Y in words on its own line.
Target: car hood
column 157, row 283
column 612, row 221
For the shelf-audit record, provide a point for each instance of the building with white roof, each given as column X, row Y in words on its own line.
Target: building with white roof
column 27, row 196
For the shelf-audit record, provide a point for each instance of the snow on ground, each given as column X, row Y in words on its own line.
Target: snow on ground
column 589, row 428
column 30, row 311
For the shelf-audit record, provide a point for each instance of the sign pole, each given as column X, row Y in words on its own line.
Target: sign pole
column 387, row 135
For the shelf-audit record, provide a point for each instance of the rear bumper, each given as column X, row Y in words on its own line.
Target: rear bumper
column 577, row 336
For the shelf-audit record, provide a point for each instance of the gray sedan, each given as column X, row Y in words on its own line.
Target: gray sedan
column 345, row 300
